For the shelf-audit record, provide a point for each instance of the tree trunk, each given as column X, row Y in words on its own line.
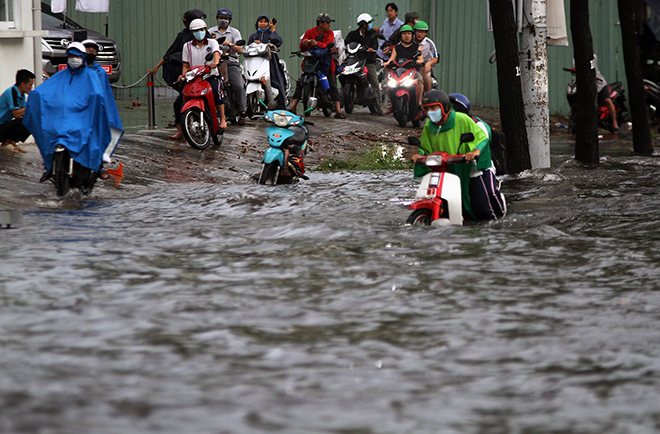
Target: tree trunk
column 642, row 143
column 586, row 124
column 512, row 110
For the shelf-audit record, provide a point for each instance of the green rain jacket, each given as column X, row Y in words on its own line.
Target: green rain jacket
column 447, row 139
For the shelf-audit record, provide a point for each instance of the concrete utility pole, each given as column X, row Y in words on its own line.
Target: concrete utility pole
column 534, row 75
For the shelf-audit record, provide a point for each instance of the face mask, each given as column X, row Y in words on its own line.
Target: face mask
column 223, row 24
column 435, row 116
column 371, row 26
column 199, row 34
column 90, row 58
column 74, row 62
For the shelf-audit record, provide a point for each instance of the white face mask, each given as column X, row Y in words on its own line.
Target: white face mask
column 74, row 62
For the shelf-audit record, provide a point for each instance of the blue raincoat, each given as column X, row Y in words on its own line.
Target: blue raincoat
column 74, row 108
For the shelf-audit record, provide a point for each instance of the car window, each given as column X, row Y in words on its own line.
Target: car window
column 48, row 20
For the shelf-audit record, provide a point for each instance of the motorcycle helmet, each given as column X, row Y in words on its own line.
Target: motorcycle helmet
column 77, row 49
column 197, row 24
column 406, row 28
column 224, row 13
column 460, row 103
column 364, row 19
column 421, row 25
column 437, row 97
column 91, row 43
column 191, row 15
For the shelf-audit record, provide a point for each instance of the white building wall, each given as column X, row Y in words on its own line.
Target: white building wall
column 17, row 44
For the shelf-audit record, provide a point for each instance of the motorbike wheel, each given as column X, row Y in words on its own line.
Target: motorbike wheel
column 269, row 174
column 401, row 111
column 196, row 128
column 420, row 217
column 372, row 108
column 327, row 112
column 60, row 176
column 349, row 97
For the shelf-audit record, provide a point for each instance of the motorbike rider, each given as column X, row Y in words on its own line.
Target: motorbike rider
column 194, row 54
column 391, row 24
column 442, row 131
column 429, row 52
column 368, row 38
column 603, row 91
column 406, row 50
column 320, row 37
column 73, row 109
column 172, row 62
column 266, row 34
column 410, row 19
column 229, row 48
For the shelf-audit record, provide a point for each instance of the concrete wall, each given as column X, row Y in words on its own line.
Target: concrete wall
column 17, row 44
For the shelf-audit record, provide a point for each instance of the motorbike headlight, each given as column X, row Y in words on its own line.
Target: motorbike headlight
column 281, row 120
column 391, row 82
column 408, row 82
column 434, row 160
column 190, row 74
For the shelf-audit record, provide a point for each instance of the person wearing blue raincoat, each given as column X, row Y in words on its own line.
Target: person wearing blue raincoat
column 74, row 109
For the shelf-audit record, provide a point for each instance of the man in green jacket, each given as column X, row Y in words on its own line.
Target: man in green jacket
column 479, row 187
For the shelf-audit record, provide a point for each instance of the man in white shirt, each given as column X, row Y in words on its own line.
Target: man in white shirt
column 429, row 52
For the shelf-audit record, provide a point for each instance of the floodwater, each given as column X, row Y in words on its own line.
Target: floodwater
column 313, row 309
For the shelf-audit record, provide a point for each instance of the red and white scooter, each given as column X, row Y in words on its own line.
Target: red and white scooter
column 199, row 120
column 438, row 201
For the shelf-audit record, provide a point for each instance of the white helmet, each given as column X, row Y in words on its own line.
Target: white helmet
column 364, row 18
column 197, row 24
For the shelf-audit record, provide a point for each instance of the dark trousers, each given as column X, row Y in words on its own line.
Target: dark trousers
column 485, row 197
column 14, row 130
column 332, row 81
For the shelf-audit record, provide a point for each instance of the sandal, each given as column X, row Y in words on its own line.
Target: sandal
column 340, row 116
column 103, row 174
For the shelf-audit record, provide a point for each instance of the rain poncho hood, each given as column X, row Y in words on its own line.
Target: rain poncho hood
column 266, row 36
column 74, row 110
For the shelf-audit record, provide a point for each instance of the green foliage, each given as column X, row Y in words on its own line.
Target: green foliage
column 378, row 157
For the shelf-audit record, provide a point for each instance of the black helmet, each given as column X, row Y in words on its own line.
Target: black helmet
column 434, row 97
column 193, row 14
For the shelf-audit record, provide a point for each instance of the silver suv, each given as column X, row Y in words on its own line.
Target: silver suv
column 53, row 46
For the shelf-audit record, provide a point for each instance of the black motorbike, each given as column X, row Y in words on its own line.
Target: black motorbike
column 315, row 84
column 67, row 173
column 353, row 78
column 617, row 95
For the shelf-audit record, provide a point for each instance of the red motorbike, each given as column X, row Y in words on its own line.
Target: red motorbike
column 199, row 121
column 404, row 91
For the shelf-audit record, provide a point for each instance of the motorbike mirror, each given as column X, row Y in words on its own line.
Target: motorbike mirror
column 414, row 141
column 221, row 39
column 209, row 57
column 331, row 45
column 380, row 36
column 467, row 137
column 240, row 42
column 275, row 41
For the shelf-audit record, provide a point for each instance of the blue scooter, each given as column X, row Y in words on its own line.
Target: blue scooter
column 282, row 163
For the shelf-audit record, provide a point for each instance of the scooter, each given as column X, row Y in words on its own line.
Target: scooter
column 353, row 78
column 438, row 201
column 617, row 95
column 257, row 72
column 283, row 163
column 67, row 173
column 404, row 91
column 316, row 87
column 199, row 121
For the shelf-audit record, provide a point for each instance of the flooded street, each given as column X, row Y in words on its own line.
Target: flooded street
column 194, row 307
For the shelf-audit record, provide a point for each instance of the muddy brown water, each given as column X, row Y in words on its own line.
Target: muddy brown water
column 193, row 306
